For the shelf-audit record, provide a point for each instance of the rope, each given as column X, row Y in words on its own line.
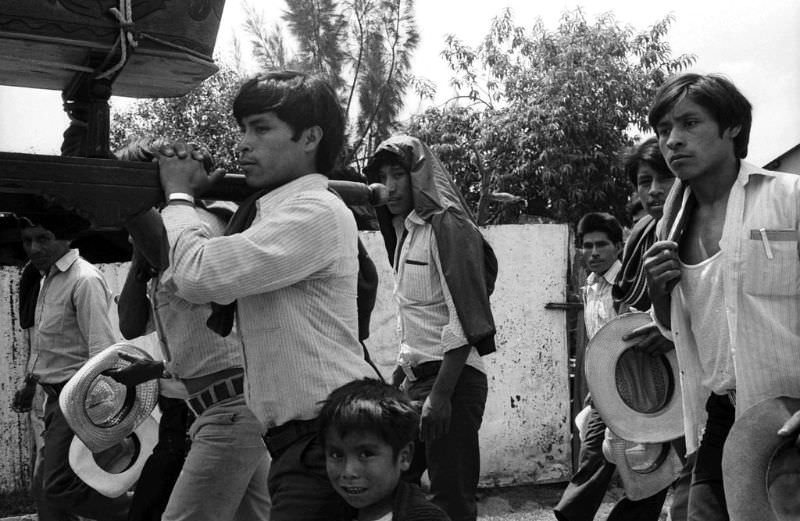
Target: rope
column 129, row 38
column 126, row 38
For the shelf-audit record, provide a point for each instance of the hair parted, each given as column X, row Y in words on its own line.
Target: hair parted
column 302, row 101
column 369, row 405
column 715, row 93
column 600, row 222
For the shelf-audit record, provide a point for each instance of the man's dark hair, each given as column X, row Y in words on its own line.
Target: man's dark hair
column 369, row 405
column 647, row 153
column 715, row 93
column 600, row 222
column 300, row 100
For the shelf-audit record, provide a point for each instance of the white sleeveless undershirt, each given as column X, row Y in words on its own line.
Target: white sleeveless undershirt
column 702, row 288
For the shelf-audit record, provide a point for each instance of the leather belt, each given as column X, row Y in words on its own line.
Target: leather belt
column 215, row 393
column 426, row 370
column 279, row 438
column 53, row 390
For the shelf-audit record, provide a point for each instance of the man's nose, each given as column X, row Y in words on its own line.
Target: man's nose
column 243, row 145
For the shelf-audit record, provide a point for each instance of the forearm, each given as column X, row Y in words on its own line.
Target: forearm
column 452, row 365
column 133, row 308
column 149, row 237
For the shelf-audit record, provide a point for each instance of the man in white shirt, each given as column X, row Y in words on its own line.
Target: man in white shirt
column 724, row 278
column 600, row 241
column 287, row 266
column 445, row 272
column 65, row 301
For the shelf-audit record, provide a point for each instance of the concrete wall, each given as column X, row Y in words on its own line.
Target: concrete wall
column 525, row 433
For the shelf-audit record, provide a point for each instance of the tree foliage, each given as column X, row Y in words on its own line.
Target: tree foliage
column 363, row 47
column 551, row 113
column 202, row 116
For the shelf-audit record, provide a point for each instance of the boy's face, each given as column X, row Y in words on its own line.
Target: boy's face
column 398, row 186
column 269, row 156
column 364, row 471
column 652, row 188
column 42, row 247
column 690, row 141
column 599, row 253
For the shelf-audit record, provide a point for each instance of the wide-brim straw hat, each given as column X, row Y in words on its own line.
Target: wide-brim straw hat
column 101, row 411
column 637, row 394
column 760, row 469
column 644, row 468
column 121, row 464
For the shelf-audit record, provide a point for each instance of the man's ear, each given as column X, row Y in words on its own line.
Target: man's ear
column 311, row 138
column 405, row 456
column 734, row 131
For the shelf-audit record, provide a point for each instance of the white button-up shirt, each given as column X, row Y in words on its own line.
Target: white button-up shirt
column 293, row 273
column 761, row 292
column 72, row 322
column 427, row 319
column 598, row 303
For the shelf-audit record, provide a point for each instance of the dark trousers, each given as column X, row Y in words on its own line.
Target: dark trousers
column 706, row 494
column 453, row 461
column 162, row 468
column 59, row 493
column 299, row 485
column 588, row 485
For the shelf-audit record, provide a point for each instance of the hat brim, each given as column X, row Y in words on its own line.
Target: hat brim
column 752, row 443
column 602, row 354
column 641, row 485
column 107, row 483
column 134, row 410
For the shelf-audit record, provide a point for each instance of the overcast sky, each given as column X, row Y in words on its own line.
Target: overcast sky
column 755, row 44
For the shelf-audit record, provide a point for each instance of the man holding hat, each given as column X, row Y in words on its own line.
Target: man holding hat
column 600, row 239
column 65, row 301
column 724, row 278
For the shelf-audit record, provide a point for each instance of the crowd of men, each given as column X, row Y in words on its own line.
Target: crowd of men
column 257, row 311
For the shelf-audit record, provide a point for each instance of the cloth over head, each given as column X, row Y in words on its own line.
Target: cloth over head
column 760, row 469
column 468, row 261
column 637, row 394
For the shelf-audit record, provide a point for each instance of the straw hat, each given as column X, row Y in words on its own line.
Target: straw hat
column 760, row 469
column 114, row 471
column 644, row 468
column 101, row 411
column 637, row 394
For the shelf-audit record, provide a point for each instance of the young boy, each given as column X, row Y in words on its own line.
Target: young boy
column 367, row 429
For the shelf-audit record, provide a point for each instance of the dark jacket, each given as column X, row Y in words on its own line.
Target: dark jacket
column 410, row 504
column 468, row 261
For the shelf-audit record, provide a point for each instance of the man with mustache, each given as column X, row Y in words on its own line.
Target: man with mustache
column 724, row 276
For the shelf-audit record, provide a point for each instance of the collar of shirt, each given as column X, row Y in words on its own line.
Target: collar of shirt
column 294, row 187
column 66, row 260
column 610, row 276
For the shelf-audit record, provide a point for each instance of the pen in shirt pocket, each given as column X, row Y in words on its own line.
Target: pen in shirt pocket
column 769, row 236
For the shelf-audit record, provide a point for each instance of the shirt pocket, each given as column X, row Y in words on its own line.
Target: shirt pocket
column 417, row 284
column 771, row 263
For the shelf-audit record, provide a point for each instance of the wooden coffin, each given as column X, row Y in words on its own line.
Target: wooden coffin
column 44, row 43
